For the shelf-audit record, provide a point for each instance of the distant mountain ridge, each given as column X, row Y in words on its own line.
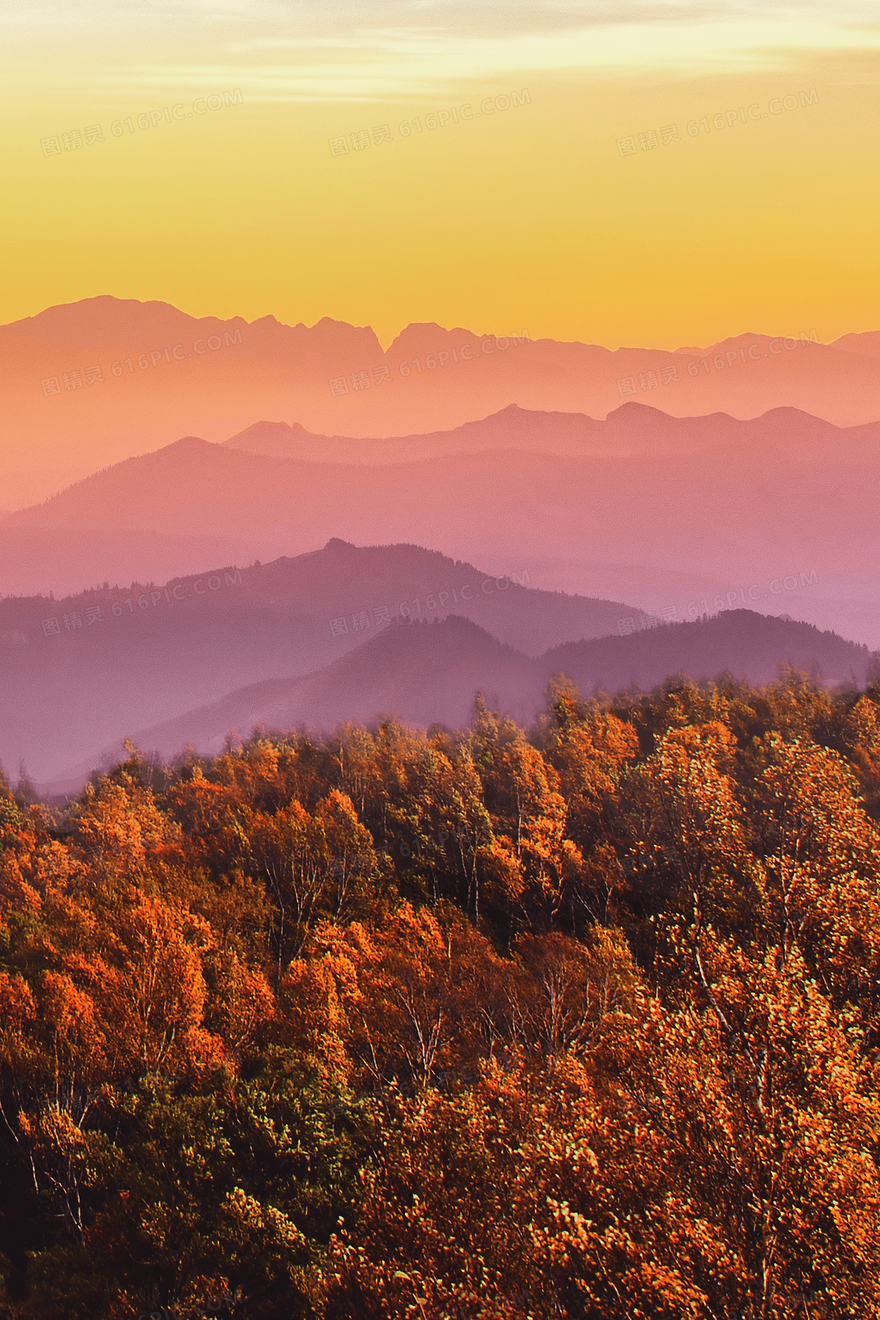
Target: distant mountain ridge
column 93, row 382
column 628, row 430
column 426, row 673
column 665, row 513
column 79, row 671
column 155, row 491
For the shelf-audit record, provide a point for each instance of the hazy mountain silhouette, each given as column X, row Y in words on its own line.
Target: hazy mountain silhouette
column 421, row 672
column 682, row 511
column 93, row 382
column 749, row 645
column 867, row 343
column 80, row 671
column 427, row 673
column 633, row 429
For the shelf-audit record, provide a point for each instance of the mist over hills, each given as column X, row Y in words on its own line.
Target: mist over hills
column 421, row 672
column 748, row 645
column 867, row 343
column 319, row 638
column 93, row 382
column 630, row 430
column 429, row 672
column 77, row 672
column 676, row 516
column 747, row 485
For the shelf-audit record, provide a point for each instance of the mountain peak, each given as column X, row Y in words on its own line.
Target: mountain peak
column 189, row 442
column 634, row 409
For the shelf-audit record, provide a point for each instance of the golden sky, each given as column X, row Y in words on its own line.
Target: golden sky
column 660, row 174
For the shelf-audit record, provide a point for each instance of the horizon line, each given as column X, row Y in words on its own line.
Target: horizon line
column 806, row 335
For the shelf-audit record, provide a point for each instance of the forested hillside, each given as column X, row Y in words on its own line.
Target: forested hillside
column 578, row 1021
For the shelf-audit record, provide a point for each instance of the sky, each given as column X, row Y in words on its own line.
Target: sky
column 658, row 174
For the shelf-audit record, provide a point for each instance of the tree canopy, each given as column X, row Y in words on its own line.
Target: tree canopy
column 581, row 1020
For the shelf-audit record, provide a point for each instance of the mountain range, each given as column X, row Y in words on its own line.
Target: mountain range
column 324, row 637
column 613, row 500
column 676, row 516
column 93, row 382
column 429, row 672
column 78, row 672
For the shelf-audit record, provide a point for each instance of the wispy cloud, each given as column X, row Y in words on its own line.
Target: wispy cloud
column 348, row 50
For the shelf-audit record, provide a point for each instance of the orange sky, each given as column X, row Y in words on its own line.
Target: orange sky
column 533, row 205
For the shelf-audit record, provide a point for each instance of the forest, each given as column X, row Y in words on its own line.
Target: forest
column 580, row 1020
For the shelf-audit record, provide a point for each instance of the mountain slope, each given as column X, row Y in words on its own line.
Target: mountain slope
column 791, row 501
column 91, row 383
column 750, row 646
column 427, row 673
column 421, row 672
column 78, row 672
column 633, row 429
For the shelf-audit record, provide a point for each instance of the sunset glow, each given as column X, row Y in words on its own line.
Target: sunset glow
column 248, row 192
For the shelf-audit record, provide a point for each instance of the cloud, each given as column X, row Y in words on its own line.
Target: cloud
column 350, row 50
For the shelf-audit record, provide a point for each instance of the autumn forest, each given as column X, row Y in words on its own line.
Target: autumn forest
column 573, row 1021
